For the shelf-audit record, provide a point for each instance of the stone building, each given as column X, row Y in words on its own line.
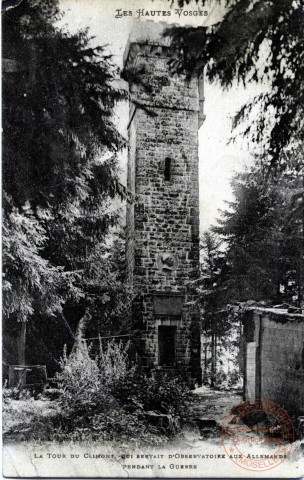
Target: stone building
column 163, row 221
column 274, row 357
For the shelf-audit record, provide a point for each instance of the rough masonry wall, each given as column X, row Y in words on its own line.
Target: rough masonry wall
column 130, row 259
column 166, row 213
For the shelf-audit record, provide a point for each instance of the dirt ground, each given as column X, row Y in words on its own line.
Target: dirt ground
column 214, row 404
column 204, row 404
column 197, row 449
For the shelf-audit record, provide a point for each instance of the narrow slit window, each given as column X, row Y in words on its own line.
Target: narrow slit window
column 168, row 169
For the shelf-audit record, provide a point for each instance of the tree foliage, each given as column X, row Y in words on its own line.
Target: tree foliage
column 29, row 278
column 220, row 326
column 212, row 296
column 57, row 110
column 212, row 292
column 60, row 168
column 263, row 231
column 254, row 255
column 252, row 235
column 256, row 41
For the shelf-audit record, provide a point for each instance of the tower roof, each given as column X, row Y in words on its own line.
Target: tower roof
column 147, row 32
column 148, row 35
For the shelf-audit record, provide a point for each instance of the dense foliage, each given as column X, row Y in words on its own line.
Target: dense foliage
column 105, row 397
column 263, row 231
column 254, row 254
column 60, row 170
column 260, row 41
column 220, row 327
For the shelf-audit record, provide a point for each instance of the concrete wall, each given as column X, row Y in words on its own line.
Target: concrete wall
column 282, row 362
column 275, row 360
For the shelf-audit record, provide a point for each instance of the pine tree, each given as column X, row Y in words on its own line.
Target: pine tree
column 263, row 230
column 250, row 228
column 60, row 169
column 255, row 253
column 254, row 42
column 213, row 300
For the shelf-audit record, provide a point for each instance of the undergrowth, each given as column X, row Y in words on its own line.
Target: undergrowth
column 102, row 397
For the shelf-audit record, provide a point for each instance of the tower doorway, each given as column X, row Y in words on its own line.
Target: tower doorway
column 167, row 346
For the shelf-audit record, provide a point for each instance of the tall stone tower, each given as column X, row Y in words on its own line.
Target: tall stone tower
column 163, row 221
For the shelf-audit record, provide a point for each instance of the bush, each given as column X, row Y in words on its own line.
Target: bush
column 154, row 390
column 82, row 387
column 113, row 362
column 106, row 398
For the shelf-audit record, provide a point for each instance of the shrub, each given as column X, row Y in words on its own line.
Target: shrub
column 105, row 398
column 84, row 388
column 154, row 390
column 159, row 397
column 113, row 362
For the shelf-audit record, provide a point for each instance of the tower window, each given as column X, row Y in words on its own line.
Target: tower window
column 168, row 169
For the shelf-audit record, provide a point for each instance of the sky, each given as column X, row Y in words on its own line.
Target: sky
column 218, row 160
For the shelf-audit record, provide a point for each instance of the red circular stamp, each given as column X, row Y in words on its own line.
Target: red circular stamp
column 258, row 435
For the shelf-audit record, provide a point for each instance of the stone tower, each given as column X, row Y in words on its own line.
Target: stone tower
column 163, row 221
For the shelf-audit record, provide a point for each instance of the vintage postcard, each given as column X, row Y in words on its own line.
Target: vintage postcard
column 153, row 227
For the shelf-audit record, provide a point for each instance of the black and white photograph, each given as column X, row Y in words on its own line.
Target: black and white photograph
column 153, row 238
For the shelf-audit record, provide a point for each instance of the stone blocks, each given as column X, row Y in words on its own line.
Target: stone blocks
column 165, row 216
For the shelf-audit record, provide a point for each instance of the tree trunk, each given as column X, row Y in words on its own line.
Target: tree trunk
column 17, row 343
column 20, row 343
column 206, row 363
column 213, row 359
